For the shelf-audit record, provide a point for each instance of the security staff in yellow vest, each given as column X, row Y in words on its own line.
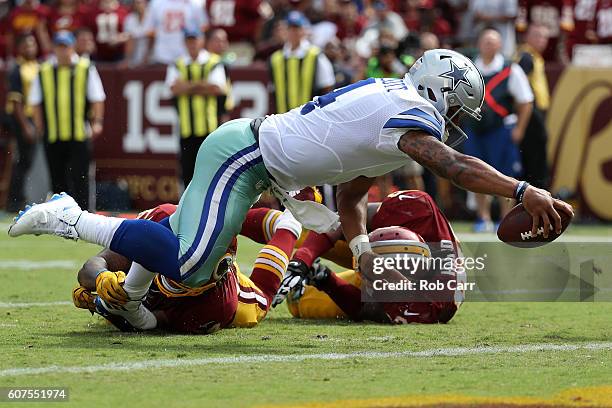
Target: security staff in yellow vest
column 217, row 43
column 533, row 145
column 299, row 70
column 19, row 115
column 196, row 81
column 66, row 95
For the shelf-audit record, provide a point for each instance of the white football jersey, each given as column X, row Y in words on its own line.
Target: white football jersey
column 350, row 132
column 167, row 19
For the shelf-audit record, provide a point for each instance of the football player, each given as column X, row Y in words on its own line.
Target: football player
column 346, row 138
column 232, row 301
column 404, row 219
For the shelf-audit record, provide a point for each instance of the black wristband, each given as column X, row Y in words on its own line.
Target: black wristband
column 520, row 191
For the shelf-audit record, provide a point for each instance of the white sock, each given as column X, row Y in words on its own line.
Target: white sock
column 137, row 281
column 97, row 229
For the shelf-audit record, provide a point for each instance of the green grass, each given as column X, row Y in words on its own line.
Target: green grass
column 61, row 335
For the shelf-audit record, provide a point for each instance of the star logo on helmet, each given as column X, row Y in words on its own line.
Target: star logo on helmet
column 457, row 75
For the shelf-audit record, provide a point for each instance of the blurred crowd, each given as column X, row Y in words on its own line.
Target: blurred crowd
column 136, row 32
column 309, row 46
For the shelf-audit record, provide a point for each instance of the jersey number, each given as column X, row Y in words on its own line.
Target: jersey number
column 324, row 100
column 390, row 84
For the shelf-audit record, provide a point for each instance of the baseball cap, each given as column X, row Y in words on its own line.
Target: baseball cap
column 63, row 38
column 297, row 19
column 192, row 32
column 380, row 5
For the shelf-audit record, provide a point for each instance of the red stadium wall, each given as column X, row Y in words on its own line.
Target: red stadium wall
column 138, row 145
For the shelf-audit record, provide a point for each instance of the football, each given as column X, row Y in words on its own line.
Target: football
column 515, row 229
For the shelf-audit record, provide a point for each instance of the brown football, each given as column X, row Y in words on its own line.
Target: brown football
column 515, row 229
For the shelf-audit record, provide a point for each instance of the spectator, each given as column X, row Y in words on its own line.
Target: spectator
column 85, row 45
column 584, row 22
column 604, row 22
column 428, row 41
column 195, row 80
column 422, row 16
column 279, row 14
column 496, row 136
column 166, row 21
column 242, row 19
column 499, row 14
column 137, row 40
column 19, row 113
column 266, row 47
column 106, row 22
column 385, row 26
column 66, row 15
column 30, row 17
column 533, row 145
column 386, row 19
column 348, row 20
column 217, row 43
column 4, row 22
column 300, row 70
column 343, row 75
column 65, row 86
column 557, row 15
column 385, row 64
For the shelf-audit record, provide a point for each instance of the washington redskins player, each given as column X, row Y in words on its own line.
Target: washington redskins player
column 233, row 300
column 405, row 220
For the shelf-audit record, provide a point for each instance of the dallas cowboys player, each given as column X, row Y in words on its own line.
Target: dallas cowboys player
column 346, row 137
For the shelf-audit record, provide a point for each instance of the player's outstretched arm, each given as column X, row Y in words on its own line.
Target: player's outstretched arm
column 475, row 175
column 352, row 204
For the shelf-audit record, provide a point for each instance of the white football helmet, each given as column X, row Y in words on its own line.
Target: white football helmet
column 447, row 79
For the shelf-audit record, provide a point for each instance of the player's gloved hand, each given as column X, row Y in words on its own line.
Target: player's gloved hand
column 318, row 274
column 294, row 280
column 83, row 299
column 109, row 286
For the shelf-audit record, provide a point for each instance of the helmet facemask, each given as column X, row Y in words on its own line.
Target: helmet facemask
column 457, row 85
column 453, row 134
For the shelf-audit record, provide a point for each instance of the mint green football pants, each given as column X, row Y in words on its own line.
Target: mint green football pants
column 228, row 179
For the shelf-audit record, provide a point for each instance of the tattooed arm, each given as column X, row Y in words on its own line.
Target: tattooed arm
column 465, row 171
column 475, row 175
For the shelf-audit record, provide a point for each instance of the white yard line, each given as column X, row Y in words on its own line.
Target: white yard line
column 26, row 264
column 275, row 358
column 8, row 305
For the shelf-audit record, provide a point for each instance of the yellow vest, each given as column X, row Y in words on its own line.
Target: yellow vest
column 28, row 70
column 293, row 78
column 64, row 91
column 198, row 114
column 537, row 78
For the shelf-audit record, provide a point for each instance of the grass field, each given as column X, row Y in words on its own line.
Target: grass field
column 490, row 354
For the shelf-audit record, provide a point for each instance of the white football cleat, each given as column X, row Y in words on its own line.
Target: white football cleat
column 57, row 216
column 133, row 317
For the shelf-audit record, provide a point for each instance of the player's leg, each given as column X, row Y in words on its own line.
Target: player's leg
column 273, row 259
column 228, row 179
